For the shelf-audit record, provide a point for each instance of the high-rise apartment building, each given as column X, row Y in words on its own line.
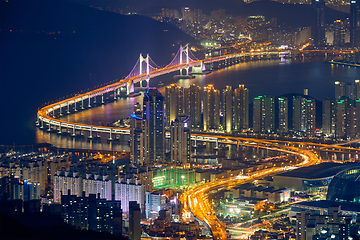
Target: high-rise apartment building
column 339, row 33
column 329, row 116
column 171, row 101
column 345, row 125
column 357, row 83
column 187, row 14
column 228, row 113
column 139, row 141
column 96, row 184
column 127, row 191
column 66, row 182
column 355, row 23
column 264, row 114
column 180, row 141
column 198, row 15
column 304, row 114
column 134, row 221
column 91, row 213
column 339, row 90
column 350, row 90
column 170, row 13
column 318, row 24
column 241, row 108
column 283, row 107
column 211, row 107
column 153, row 112
column 192, row 96
column 175, row 103
column 235, row 108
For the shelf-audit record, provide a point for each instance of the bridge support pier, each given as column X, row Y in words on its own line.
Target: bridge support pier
column 68, row 108
column 102, row 98
column 129, row 87
column 73, row 134
column 59, row 132
column 75, row 106
column 217, row 144
column 89, row 104
column 42, row 124
column 115, row 95
column 60, row 110
column 49, row 127
column 90, row 136
column 82, row 103
column 110, row 138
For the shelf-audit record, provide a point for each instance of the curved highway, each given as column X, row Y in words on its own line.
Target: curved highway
column 196, row 199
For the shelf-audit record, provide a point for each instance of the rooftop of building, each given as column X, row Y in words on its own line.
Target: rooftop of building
column 249, row 186
column 325, row 204
column 323, row 170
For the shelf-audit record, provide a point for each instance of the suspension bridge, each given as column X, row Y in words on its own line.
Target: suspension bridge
column 144, row 70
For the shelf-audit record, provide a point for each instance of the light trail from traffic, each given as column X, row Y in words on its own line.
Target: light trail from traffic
column 196, row 200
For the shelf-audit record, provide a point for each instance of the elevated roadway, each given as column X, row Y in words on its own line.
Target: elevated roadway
column 196, row 200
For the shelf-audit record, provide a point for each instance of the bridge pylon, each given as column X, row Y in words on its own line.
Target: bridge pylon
column 146, row 60
column 186, row 52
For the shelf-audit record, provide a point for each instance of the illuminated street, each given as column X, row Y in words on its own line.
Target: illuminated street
column 196, row 199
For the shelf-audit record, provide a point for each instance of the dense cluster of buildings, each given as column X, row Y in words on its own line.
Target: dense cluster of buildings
column 221, row 29
column 334, row 225
column 295, row 114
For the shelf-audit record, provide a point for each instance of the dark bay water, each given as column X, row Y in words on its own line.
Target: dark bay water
column 273, row 77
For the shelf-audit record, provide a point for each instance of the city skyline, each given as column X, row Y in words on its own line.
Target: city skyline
column 239, row 120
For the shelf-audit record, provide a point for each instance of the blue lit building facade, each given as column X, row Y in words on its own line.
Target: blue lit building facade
column 153, row 112
column 355, row 23
column 318, row 25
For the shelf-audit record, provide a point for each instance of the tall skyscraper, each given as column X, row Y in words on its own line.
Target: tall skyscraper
column 283, row 114
column 318, row 25
column 134, row 221
column 355, row 23
column 175, row 103
column 153, row 112
column 192, row 97
column 339, row 33
column 228, row 113
column 139, row 140
column 264, row 114
column 350, row 90
column 171, row 107
column 241, row 108
column 180, row 140
column 304, row 114
column 345, row 125
column 211, row 107
column 329, row 116
column 357, row 83
column 339, row 90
